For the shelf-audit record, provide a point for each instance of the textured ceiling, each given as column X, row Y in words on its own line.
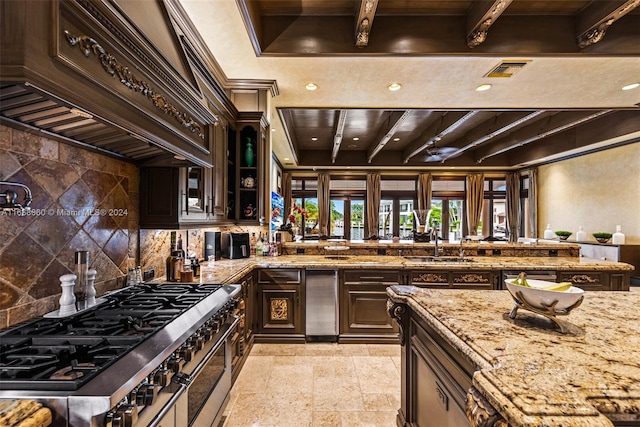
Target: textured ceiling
column 434, row 80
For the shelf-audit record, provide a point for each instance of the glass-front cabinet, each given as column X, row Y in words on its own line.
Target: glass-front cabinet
column 246, row 169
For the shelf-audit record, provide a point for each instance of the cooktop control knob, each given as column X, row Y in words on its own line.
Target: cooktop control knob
column 175, row 363
column 187, row 352
column 162, row 377
column 207, row 333
column 146, row 394
column 197, row 341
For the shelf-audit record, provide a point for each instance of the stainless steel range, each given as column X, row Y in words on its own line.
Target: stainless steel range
column 149, row 355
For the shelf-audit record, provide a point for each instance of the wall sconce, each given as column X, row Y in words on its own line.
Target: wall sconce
column 8, row 198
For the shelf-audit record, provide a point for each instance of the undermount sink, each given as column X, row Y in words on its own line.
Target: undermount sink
column 437, row 259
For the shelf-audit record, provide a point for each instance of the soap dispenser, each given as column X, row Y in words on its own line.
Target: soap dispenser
column 581, row 235
column 618, row 236
column 548, row 233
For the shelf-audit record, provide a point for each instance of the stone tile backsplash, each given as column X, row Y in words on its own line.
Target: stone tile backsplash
column 81, row 201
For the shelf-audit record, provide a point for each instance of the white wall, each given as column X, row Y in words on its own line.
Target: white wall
column 597, row 191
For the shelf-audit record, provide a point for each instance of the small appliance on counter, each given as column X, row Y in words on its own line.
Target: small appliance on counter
column 235, row 245
column 212, row 244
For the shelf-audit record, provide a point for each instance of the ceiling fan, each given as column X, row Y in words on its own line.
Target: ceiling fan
column 438, row 154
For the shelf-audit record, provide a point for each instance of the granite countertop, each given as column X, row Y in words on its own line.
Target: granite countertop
column 230, row 271
column 530, row 372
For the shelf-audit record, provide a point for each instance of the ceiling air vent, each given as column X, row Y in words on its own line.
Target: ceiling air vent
column 507, row 68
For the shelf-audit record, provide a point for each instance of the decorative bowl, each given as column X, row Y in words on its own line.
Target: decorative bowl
column 542, row 299
column 563, row 235
column 602, row 237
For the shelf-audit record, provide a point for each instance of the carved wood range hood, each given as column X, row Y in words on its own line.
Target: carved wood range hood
column 84, row 72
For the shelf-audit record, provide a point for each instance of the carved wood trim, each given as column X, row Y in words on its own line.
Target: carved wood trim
column 480, row 412
column 88, row 45
column 583, row 278
column 429, row 278
column 482, row 15
column 602, row 19
column 396, row 311
column 471, row 278
column 279, row 309
column 366, row 12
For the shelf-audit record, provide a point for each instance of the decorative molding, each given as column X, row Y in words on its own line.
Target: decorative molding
column 480, row 412
column 583, row 278
column 396, row 311
column 367, row 11
column 429, row 278
column 471, row 278
column 596, row 32
column 110, row 64
column 279, row 309
column 489, row 12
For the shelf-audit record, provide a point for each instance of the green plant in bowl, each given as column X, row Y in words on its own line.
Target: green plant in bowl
column 563, row 235
column 602, row 237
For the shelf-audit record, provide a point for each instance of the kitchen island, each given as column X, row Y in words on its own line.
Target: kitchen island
column 463, row 357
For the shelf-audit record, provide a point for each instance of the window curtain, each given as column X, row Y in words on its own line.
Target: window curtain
column 286, row 194
column 424, row 191
column 513, row 205
column 475, row 199
column 533, row 202
column 324, row 204
column 373, row 204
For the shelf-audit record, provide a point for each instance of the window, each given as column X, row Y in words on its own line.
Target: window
column 397, row 202
column 494, row 208
column 447, row 207
column 525, row 214
column 346, row 214
column 304, row 192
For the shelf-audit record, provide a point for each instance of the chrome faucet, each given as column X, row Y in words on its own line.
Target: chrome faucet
column 434, row 237
column 461, row 247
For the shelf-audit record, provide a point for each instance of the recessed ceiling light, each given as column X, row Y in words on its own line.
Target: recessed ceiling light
column 286, row 158
column 314, row 138
column 311, row 86
column 179, row 157
column 394, row 87
column 396, row 139
column 631, row 86
column 273, row 130
column 356, row 139
column 483, row 87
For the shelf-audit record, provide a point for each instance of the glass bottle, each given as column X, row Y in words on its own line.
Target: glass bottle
column 618, row 236
column 548, row 233
column 259, row 246
column 81, row 271
column 170, row 261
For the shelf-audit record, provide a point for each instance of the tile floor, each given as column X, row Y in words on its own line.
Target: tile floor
column 317, row 384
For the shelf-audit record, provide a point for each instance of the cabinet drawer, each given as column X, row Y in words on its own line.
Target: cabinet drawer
column 587, row 280
column 472, row 279
column 429, row 278
column 371, row 276
column 280, row 276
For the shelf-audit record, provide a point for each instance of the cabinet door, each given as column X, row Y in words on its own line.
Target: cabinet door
column 364, row 310
column 280, row 309
column 250, row 307
column 434, row 405
column 159, row 197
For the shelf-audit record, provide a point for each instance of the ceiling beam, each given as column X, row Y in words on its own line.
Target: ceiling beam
column 337, row 136
column 594, row 20
column 480, row 17
column 501, row 124
column 449, row 122
column 364, row 21
column 396, row 119
column 555, row 124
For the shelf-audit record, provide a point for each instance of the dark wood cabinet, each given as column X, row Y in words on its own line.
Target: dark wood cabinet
column 246, row 168
column 242, row 338
column 280, row 305
column 171, row 197
column 363, row 306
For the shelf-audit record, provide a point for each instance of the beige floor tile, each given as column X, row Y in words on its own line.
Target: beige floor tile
column 327, row 419
column 319, row 384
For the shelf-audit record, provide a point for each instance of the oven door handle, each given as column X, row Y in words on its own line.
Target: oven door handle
column 170, row 404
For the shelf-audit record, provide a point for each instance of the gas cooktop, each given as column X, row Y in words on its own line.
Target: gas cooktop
column 65, row 353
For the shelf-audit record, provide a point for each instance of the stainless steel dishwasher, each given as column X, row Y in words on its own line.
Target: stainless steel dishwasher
column 321, row 289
